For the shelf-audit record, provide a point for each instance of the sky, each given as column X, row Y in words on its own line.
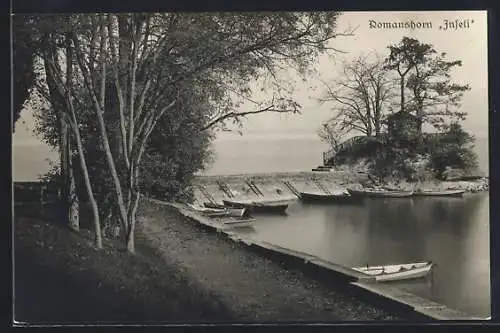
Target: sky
column 468, row 45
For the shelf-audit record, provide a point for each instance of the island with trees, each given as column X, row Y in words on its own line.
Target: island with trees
column 398, row 118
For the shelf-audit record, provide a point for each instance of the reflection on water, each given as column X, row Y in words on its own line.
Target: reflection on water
column 452, row 232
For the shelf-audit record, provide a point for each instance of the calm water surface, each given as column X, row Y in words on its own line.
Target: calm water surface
column 452, row 232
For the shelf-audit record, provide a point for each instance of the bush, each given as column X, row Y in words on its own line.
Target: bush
column 414, row 160
column 453, row 149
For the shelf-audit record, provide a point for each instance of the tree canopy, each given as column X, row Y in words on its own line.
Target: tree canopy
column 129, row 83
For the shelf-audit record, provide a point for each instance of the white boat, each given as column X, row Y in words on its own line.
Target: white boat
column 380, row 193
column 439, row 193
column 238, row 223
column 397, row 272
column 219, row 212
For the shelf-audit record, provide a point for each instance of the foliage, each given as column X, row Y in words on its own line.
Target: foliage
column 435, row 98
column 360, row 98
column 331, row 134
column 453, row 149
column 142, row 91
column 23, row 48
column 177, row 150
column 416, row 160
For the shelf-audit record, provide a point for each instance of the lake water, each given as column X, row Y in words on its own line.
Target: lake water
column 452, row 232
column 257, row 155
column 242, row 155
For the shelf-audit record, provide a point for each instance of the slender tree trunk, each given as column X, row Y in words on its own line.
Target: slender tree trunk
column 74, row 204
column 402, row 83
column 420, row 116
column 76, row 130
column 64, row 162
column 88, row 186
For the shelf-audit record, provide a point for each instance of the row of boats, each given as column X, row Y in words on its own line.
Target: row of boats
column 239, row 213
column 239, row 208
column 356, row 196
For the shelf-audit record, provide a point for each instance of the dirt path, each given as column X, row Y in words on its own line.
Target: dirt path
column 255, row 288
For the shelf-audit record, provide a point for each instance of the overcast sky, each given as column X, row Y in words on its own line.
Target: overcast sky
column 468, row 45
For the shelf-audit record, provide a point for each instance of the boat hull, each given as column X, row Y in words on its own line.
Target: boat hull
column 267, row 208
column 221, row 212
column 239, row 223
column 232, row 212
column 330, row 198
column 449, row 193
column 213, row 205
column 380, row 194
column 396, row 272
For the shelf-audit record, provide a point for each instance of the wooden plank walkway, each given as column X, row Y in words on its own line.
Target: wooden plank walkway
column 419, row 304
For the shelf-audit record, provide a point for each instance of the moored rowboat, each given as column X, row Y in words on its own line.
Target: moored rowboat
column 220, row 212
column 330, row 198
column 258, row 207
column 242, row 223
column 213, row 205
column 380, row 193
column 439, row 193
column 396, row 272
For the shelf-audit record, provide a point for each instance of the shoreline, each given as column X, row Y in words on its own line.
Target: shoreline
column 272, row 184
column 394, row 300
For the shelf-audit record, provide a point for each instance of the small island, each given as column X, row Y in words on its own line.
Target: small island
column 423, row 145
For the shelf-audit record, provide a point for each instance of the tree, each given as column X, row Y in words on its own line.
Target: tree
column 150, row 58
column 435, row 97
column 453, row 149
column 331, row 134
column 23, row 47
column 404, row 57
column 57, row 86
column 361, row 96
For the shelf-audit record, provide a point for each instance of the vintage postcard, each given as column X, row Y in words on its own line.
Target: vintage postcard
column 250, row 167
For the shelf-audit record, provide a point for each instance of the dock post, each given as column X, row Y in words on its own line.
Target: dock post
column 206, row 194
column 292, row 188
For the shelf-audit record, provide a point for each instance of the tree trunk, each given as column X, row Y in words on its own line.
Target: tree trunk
column 402, row 83
column 74, row 204
column 88, row 186
column 420, row 116
column 63, row 164
column 130, row 235
column 76, row 130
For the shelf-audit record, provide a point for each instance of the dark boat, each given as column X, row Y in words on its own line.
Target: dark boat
column 258, row 207
column 380, row 193
column 330, row 198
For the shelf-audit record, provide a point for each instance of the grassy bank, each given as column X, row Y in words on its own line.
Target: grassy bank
column 180, row 273
column 61, row 278
column 256, row 288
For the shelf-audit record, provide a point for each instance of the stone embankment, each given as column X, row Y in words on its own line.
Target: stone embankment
column 272, row 185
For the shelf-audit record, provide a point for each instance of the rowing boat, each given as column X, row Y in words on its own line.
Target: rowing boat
column 258, row 207
column 439, row 193
column 380, row 193
column 220, row 212
column 238, row 223
column 213, row 205
column 396, row 272
column 343, row 198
